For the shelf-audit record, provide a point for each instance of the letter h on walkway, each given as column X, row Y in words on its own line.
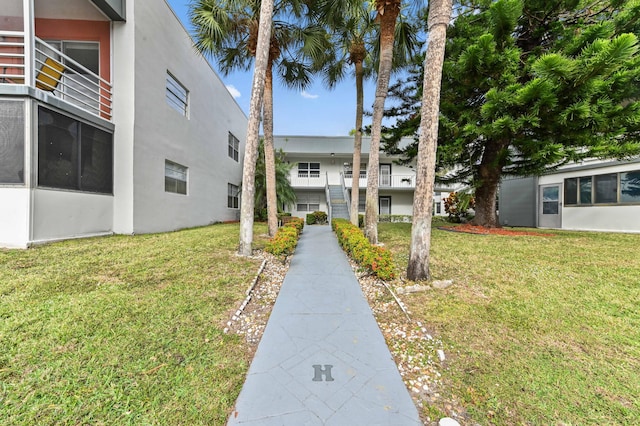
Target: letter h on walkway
column 318, row 372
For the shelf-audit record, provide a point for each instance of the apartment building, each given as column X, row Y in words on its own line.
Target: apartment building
column 323, row 171
column 594, row 195
column 110, row 122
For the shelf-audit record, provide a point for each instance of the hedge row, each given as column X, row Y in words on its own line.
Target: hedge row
column 286, row 239
column 376, row 259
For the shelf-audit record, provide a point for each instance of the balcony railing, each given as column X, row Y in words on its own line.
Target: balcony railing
column 385, row 181
column 308, row 180
column 55, row 73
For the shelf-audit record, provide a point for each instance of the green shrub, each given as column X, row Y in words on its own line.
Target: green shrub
column 316, row 217
column 295, row 222
column 311, row 219
column 321, row 217
column 458, row 204
column 285, row 241
column 378, row 260
column 360, row 221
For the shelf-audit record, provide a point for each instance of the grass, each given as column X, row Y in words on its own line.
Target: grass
column 538, row 330
column 123, row 330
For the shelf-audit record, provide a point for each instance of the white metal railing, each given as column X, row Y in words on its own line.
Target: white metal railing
column 55, row 73
column 318, row 181
column 327, row 194
column 345, row 192
column 387, row 181
column 12, row 58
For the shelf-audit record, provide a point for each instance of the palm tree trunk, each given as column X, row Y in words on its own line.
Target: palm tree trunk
column 387, row 35
column 269, row 154
column 439, row 17
column 357, row 144
column 253, row 129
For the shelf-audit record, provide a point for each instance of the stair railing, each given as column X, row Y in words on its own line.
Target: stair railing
column 328, row 195
column 345, row 193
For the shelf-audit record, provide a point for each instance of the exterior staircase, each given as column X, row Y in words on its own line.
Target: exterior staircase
column 338, row 204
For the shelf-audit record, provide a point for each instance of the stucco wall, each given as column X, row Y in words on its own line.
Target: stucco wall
column 61, row 214
column 14, row 217
column 199, row 141
column 619, row 218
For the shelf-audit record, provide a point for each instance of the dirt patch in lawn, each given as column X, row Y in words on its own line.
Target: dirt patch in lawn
column 481, row 230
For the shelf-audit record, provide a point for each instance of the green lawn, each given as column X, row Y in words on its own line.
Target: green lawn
column 538, row 330
column 123, row 330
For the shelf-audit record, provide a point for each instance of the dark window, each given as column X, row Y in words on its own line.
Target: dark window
column 11, row 142
column 234, row 147
column 308, row 170
column 585, row 190
column 630, row 187
column 550, row 199
column 606, row 188
column 571, row 191
column 177, row 95
column 175, row 177
column 73, row 155
column 233, row 199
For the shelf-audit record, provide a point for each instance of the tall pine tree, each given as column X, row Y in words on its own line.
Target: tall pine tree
column 527, row 87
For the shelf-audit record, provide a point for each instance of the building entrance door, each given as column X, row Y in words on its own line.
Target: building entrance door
column 550, row 207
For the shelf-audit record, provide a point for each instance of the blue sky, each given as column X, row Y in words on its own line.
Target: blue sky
column 315, row 111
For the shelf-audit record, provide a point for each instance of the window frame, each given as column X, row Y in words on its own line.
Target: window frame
column 309, row 170
column 587, row 190
column 308, row 202
column 234, row 147
column 180, row 169
column 233, row 196
column 176, row 95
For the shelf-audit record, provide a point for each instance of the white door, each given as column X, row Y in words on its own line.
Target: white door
column 550, row 208
column 385, row 174
column 385, row 205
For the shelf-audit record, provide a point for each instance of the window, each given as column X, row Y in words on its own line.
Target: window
column 309, row 170
column 630, row 187
column 571, row 191
column 73, row 155
column 585, row 190
column 234, row 146
column 308, row 202
column 12, row 142
column 233, row 199
column 606, row 188
column 177, row 95
column 609, row 188
column 175, row 177
column 437, row 207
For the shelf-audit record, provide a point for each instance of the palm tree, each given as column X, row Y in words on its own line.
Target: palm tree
column 354, row 34
column 286, row 195
column 439, row 17
column 229, row 30
column 356, row 41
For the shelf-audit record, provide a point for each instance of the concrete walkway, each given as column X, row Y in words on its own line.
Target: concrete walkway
column 322, row 359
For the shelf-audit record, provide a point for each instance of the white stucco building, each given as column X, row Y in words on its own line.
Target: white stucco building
column 110, row 122
column 594, row 195
column 323, row 165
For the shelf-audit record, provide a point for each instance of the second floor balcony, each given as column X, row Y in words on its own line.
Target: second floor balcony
column 58, row 51
column 56, row 73
column 393, row 181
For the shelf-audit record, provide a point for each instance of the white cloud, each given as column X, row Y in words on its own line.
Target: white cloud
column 234, row 92
column 308, row 95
